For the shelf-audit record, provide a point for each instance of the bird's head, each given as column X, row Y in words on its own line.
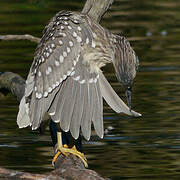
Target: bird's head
column 126, row 64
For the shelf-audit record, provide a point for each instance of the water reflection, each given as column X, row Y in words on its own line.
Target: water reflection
column 145, row 148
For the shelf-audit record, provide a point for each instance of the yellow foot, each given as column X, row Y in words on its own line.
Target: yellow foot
column 65, row 150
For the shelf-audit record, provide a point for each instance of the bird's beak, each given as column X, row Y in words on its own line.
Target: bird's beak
column 128, row 96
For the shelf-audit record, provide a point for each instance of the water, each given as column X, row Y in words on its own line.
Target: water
column 143, row 148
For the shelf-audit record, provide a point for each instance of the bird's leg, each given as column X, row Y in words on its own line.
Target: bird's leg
column 65, row 150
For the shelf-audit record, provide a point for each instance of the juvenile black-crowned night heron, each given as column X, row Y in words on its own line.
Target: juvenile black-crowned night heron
column 65, row 79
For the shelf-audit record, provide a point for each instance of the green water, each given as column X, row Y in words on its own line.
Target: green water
column 145, row 148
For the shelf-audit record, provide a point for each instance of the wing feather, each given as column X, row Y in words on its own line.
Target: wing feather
column 113, row 99
column 87, row 114
column 55, row 59
column 78, row 110
column 98, row 111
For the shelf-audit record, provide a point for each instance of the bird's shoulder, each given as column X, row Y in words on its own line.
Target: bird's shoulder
column 59, row 51
column 64, row 36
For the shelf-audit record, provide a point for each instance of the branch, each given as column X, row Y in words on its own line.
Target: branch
column 14, row 83
column 71, row 167
column 96, row 8
column 20, row 37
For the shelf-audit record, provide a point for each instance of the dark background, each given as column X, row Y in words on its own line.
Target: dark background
column 143, row 148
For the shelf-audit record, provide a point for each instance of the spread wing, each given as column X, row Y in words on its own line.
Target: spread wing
column 58, row 82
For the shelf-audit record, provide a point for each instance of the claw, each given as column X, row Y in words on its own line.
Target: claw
column 65, row 150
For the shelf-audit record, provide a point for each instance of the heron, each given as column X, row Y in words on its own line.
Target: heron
column 66, row 82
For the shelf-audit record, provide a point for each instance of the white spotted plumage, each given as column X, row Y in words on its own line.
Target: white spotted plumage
column 70, row 43
column 87, row 40
column 76, row 78
column 74, row 34
column 39, row 73
column 57, row 63
column 79, row 39
column 61, row 59
column 60, row 42
column 82, row 81
column 72, row 73
column 65, row 54
column 79, row 28
column 69, row 27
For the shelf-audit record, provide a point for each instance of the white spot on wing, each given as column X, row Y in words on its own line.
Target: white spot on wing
column 75, row 21
column 53, row 86
column 69, row 27
column 37, row 94
column 68, row 73
column 39, row 73
column 27, row 108
column 65, row 54
column 50, row 50
column 42, row 59
column 93, row 44
column 61, row 59
column 72, row 73
column 91, row 80
column 60, row 42
column 60, row 80
column 47, row 72
column 66, row 23
column 82, row 81
column 79, row 39
column 95, row 80
column 74, row 34
column 62, row 27
column 40, row 95
column 49, row 69
column 57, row 63
column 49, row 89
column 68, row 50
column 51, row 114
column 57, row 83
column 47, row 54
column 77, row 78
column 79, row 28
column 62, row 34
column 53, row 45
column 74, row 62
column 64, row 77
column 87, row 40
column 45, row 94
column 70, row 43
